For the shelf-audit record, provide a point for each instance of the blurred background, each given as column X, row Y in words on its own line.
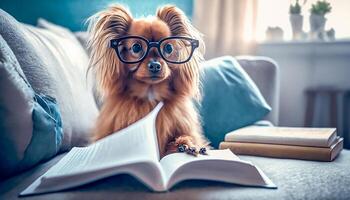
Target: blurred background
column 309, row 40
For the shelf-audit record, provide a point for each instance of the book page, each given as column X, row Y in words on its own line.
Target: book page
column 136, row 144
column 218, row 165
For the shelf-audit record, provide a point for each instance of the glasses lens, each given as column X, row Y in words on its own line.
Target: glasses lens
column 132, row 49
column 176, row 50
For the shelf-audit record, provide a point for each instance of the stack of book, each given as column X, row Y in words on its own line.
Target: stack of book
column 321, row 144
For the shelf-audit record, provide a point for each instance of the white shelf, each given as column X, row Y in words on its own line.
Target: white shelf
column 306, row 48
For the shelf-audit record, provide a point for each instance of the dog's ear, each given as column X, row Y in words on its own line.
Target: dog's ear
column 177, row 21
column 186, row 80
column 108, row 24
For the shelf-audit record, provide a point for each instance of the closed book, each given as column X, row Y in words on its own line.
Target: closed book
column 314, row 137
column 286, row 151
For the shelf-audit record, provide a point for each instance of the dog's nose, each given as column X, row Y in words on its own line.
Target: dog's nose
column 154, row 67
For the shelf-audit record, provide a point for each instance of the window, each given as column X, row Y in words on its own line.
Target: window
column 276, row 13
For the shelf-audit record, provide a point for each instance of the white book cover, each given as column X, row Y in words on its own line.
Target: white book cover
column 134, row 151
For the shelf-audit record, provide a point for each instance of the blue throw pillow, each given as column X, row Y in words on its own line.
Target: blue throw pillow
column 231, row 99
column 47, row 132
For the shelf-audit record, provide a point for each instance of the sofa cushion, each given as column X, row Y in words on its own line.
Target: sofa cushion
column 30, row 124
column 231, row 99
column 264, row 72
column 55, row 64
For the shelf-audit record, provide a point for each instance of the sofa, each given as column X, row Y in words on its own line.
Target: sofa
column 296, row 179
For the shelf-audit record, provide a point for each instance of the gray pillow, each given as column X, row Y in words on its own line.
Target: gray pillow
column 14, row 119
column 55, row 64
column 30, row 124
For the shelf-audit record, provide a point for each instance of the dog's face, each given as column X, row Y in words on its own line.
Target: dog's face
column 153, row 69
column 153, row 77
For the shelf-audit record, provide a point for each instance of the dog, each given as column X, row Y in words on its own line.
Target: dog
column 140, row 62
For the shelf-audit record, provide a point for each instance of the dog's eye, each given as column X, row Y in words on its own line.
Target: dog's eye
column 136, row 48
column 168, row 48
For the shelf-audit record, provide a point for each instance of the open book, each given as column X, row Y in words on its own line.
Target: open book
column 134, row 151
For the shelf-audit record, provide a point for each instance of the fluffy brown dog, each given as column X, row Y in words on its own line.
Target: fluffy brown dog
column 137, row 65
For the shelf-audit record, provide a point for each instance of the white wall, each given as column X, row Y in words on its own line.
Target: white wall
column 304, row 65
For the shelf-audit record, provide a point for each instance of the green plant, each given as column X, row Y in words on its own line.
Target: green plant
column 321, row 8
column 295, row 9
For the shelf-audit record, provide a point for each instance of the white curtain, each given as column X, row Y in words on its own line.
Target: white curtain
column 228, row 26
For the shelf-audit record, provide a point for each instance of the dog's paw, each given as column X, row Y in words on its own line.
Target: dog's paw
column 195, row 151
column 192, row 151
column 185, row 144
column 185, row 140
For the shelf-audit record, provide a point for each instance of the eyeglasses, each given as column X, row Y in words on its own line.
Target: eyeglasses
column 175, row 49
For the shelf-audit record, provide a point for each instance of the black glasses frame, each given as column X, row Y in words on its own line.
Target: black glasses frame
column 115, row 42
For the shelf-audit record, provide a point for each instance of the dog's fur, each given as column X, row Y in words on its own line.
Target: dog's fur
column 129, row 96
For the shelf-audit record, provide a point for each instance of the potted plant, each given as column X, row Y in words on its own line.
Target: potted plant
column 296, row 20
column 317, row 17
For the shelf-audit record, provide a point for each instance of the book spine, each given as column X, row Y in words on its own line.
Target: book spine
column 279, row 151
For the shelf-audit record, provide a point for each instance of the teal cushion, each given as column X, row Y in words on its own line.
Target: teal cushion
column 47, row 132
column 231, row 99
